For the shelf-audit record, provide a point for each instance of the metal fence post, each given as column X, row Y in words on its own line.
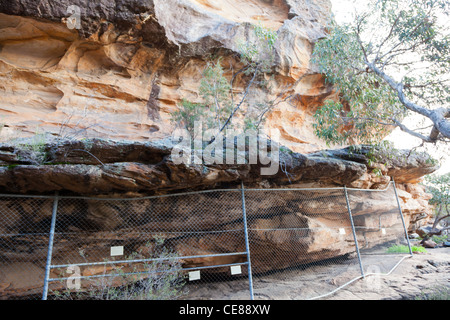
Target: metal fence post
column 247, row 246
column 50, row 247
column 403, row 220
column 354, row 232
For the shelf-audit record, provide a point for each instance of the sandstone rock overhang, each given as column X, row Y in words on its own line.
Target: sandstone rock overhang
column 97, row 166
column 130, row 63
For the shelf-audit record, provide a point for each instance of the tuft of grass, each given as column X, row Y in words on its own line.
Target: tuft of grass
column 405, row 249
column 439, row 239
column 436, row 293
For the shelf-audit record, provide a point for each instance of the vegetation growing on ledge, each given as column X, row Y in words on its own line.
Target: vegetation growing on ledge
column 405, row 249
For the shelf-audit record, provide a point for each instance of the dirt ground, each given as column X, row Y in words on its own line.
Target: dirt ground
column 413, row 277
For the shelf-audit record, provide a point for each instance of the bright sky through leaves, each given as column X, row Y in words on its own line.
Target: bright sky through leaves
column 343, row 11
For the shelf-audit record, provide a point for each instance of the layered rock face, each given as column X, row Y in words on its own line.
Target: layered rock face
column 124, row 70
column 104, row 93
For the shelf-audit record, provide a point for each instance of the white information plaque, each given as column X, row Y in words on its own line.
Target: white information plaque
column 194, row 275
column 116, row 251
column 235, row 270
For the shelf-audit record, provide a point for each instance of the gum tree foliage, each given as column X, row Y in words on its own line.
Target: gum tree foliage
column 220, row 104
column 390, row 62
column 439, row 187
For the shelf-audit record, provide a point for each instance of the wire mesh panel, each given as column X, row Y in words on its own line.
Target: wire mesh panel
column 301, row 242
column 157, row 247
column 24, row 234
column 379, row 229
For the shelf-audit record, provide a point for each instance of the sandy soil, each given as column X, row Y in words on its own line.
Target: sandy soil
column 412, row 277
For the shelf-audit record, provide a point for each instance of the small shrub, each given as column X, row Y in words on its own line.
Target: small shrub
column 220, row 105
column 34, row 150
column 439, row 239
column 158, row 279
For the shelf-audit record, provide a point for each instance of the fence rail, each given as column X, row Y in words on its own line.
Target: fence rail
column 222, row 244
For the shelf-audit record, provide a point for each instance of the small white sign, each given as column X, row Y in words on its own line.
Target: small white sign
column 235, row 270
column 194, row 275
column 116, row 251
column 341, row 231
column 383, row 231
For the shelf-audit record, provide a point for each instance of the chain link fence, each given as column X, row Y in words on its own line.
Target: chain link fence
column 294, row 235
column 217, row 244
column 380, row 229
column 24, row 238
column 309, row 243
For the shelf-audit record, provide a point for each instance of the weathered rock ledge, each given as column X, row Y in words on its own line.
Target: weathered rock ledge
column 98, row 166
column 134, row 169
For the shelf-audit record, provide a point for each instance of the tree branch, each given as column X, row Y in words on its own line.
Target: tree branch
column 358, row 31
column 437, row 116
column 388, row 36
column 400, row 42
column 413, row 133
column 238, row 106
column 273, row 105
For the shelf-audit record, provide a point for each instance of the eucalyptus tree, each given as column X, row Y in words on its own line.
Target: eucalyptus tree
column 390, row 61
column 439, row 187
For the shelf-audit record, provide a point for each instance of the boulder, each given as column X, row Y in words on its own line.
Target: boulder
column 424, row 231
column 429, row 244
